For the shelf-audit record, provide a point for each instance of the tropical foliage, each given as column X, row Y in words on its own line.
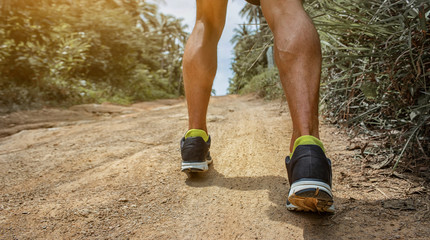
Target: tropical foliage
column 252, row 41
column 376, row 73
column 63, row 51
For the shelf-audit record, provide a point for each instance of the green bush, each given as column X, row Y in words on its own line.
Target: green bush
column 251, row 44
column 67, row 52
column 266, row 84
column 376, row 73
column 375, row 78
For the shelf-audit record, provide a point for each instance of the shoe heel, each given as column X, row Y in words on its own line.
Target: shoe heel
column 194, row 167
column 311, row 196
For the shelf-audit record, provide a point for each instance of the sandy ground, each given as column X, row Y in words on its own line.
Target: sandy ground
column 112, row 172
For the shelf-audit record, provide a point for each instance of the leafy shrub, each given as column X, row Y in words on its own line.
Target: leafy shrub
column 376, row 75
column 266, row 84
column 67, row 52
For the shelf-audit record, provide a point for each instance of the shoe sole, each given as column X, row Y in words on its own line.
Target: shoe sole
column 310, row 196
column 196, row 166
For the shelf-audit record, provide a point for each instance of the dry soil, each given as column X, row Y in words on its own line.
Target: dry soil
column 112, row 172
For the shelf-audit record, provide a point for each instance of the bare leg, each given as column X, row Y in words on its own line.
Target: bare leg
column 200, row 59
column 298, row 57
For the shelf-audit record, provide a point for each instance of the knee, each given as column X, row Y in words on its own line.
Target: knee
column 210, row 29
column 294, row 38
column 299, row 43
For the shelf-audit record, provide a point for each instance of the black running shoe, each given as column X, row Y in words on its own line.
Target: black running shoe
column 195, row 154
column 309, row 174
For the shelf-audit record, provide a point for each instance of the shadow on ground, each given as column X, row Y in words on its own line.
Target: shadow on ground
column 349, row 221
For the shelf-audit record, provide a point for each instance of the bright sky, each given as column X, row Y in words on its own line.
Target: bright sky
column 186, row 9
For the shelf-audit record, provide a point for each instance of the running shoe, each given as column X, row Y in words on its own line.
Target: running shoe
column 310, row 177
column 195, row 154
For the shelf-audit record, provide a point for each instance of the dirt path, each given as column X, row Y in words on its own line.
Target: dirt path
column 103, row 171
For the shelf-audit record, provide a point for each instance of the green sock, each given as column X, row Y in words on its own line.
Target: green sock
column 197, row 133
column 307, row 140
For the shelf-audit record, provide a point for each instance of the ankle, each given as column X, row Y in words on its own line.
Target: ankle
column 303, row 134
column 197, row 133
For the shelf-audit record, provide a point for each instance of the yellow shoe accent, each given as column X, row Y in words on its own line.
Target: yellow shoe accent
column 307, row 140
column 197, row 133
